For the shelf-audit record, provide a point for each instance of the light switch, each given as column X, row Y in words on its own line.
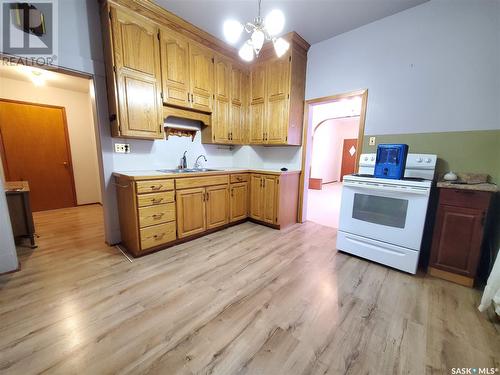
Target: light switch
column 371, row 142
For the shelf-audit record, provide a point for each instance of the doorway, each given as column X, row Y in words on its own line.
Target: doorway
column 333, row 137
column 34, row 147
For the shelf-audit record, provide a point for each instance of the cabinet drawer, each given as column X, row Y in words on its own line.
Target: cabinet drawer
column 161, row 213
column 235, row 178
column 465, row 198
column 194, row 182
column 157, row 235
column 154, row 186
column 152, row 199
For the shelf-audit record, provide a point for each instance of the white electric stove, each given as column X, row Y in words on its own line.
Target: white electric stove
column 383, row 220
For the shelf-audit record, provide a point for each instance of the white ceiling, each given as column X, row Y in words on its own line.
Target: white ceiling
column 50, row 77
column 314, row 20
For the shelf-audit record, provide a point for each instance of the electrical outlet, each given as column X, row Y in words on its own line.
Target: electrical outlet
column 371, row 142
column 122, row 148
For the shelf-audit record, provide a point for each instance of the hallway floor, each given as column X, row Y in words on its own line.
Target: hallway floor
column 323, row 206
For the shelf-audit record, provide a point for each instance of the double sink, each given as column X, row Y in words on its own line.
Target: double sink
column 187, row 170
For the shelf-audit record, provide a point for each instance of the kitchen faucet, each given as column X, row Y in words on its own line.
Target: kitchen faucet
column 197, row 163
column 183, row 164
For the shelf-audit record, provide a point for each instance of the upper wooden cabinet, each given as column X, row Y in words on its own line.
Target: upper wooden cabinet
column 187, row 72
column 277, row 98
column 159, row 65
column 133, row 76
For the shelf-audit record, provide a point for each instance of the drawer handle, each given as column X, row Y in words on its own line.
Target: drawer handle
column 159, row 236
column 156, row 187
column 463, row 191
column 156, row 200
column 158, row 216
column 239, row 178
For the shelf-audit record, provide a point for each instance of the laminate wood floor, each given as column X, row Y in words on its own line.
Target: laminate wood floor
column 245, row 300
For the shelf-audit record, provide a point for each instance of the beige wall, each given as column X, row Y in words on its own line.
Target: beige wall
column 80, row 128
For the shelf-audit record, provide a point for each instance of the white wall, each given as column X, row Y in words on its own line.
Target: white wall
column 431, row 68
column 328, row 142
column 80, row 130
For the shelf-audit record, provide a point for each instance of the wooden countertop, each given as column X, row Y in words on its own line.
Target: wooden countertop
column 155, row 174
column 16, row 186
column 477, row 187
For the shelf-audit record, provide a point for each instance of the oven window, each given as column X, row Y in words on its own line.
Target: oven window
column 390, row 212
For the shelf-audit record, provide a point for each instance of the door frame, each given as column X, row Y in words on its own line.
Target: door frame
column 363, row 93
column 66, row 138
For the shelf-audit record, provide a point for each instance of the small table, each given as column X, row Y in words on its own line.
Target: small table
column 21, row 217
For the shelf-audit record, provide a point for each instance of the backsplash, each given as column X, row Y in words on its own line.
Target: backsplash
column 467, row 151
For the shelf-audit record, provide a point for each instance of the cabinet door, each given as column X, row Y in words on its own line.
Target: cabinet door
column 278, row 83
column 190, row 212
column 201, row 65
column 269, row 200
column 257, row 123
column 239, row 201
column 457, row 239
column 137, row 65
column 222, row 100
column 256, row 196
column 174, row 51
column 258, row 83
column 217, row 206
column 237, row 115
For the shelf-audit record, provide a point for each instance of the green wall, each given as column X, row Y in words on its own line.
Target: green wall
column 468, row 151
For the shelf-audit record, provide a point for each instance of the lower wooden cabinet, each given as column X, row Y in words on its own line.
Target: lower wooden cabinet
column 238, row 201
column 191, row 218
column 274, row 199
column 200, row 209
column 157, row 213
column 458, row 234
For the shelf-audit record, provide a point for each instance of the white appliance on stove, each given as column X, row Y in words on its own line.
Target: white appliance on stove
column 383, row 220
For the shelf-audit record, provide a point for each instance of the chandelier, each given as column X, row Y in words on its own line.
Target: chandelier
column 259, row 30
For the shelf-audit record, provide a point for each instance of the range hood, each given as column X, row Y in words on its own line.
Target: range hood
column 181, row 127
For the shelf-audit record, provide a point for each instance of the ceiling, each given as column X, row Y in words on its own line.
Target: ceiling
column 51, row 78
column 314, row 20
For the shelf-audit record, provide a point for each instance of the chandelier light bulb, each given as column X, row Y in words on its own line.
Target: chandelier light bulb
column 246, row 51
column 232, row 31
column 258, row 38
column 280, row 46
column 274, row 22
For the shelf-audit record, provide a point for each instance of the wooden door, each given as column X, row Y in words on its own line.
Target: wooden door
column 256, row 115
column 256, row 196
column 217, row 206
column 237, row 115
column 222, row 100
column 138, row 77
column 269, row 189
column 349, row 153
column 239, row 201
column 34, row 146
column 277, row 96
column 174, row 68
column 191, row 218
column 201, row 65
column 457, row 239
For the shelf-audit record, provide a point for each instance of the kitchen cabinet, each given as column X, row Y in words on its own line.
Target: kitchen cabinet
column 147, row 213
column 217, row 203
column 191, row 213
column 458, row 234
column 221, row 119
column 133, row 75
column 263, row 198
column 277, row 99
column 239, row 201
column 238, row 114
column 187, row 72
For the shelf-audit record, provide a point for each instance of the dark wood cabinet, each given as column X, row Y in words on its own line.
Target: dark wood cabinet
column 458, row 234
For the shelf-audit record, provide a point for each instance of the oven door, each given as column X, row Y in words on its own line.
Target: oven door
column 388, row 213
